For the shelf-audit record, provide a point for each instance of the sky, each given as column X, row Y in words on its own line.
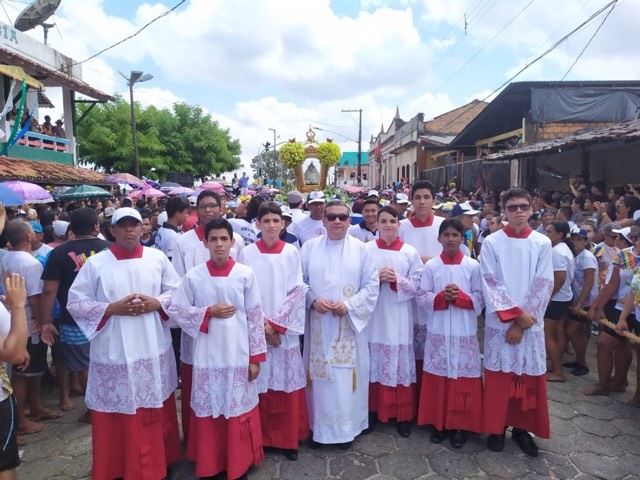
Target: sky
column 256, row 65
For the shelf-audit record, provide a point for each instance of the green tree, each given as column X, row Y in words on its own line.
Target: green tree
column 183, row 139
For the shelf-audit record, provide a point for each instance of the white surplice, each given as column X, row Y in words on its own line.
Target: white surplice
column 424, row 238
column 336, row 351
column 189, row 252
column 391, row 327
column 279, row 274
column 221, row 356
column 517, row 275
column 132, row 363
column 451, row 349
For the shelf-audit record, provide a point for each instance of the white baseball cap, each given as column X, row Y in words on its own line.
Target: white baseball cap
column 193, row 201
column 60, row 228
column 401, row 198
column 317, row 196
column 125, row 212
column 373, row 193
column 286, row 211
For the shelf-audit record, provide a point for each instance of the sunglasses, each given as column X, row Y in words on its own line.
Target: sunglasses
column 514, row 208
column 343, row 217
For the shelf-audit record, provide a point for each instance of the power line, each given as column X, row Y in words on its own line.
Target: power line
column 590, row 40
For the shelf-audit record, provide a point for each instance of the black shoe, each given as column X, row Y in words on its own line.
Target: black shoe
column 345, row 445
column 495, row 443
column 373, row 419
column 570, row 364
column 404, row 429
column 580, row 370
column 313, row 444
column 525, row 442
column 438, row 436
column 457, row 438
column 290, row 454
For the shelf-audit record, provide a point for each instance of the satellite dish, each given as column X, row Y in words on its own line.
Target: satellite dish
column 36, row 14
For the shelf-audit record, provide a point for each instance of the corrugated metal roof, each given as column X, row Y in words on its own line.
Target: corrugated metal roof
column 350, row 159
column 622, row 131
column 47, row 172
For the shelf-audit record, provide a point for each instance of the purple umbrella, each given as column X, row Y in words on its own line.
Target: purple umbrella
column 124, row 178
column 181, row 191
column 29, row 192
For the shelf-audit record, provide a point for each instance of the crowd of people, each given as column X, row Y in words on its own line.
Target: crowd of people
column 311, row 319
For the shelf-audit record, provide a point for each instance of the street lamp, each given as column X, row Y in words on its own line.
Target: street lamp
column 136, row 76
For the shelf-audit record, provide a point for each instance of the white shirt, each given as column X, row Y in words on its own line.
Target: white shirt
column 307, row 229
column 563, row 262
column 360, row 232
column 31, row 269
column 246, row 230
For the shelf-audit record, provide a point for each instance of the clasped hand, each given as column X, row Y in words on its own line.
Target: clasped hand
column 135, row 304
column 388, row 275
column 451, row 292
column 321, row 305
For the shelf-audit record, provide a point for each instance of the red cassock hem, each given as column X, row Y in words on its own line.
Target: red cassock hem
column 137, row 446
column 186, row 378
column 397, row 402
column 451, row 404
column 231, row 444
column 419, row 364
column 515, row 400
column 284, row 419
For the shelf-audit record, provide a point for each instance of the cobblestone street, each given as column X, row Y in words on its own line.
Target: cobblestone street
column 591, row 437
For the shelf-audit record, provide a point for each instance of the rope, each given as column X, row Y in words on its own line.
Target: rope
column 607, row 323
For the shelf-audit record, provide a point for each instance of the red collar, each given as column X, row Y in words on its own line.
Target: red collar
column 395, row 245
column 418, row 224
column 275, row 248
column 223, row 271
column 511, row 233
column 199, row 232
column 447, row 260
column 122, row 254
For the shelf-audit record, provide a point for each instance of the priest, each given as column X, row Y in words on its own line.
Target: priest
column 343, row 290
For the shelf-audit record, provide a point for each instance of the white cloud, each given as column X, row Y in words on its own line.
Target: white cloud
column 156, row 96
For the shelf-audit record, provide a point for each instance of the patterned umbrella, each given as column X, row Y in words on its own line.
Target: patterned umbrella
column 181, row 191
column 29, row 192
column 147, row 192
column 9, row 198
column 124, row 178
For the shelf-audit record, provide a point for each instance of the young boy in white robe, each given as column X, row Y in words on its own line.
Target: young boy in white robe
column 119, row 301
column 392, row 377
column 281, row 384
column 517, row 280
column 218, row 305
column 451, row 294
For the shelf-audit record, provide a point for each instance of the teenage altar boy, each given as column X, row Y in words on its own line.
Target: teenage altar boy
column 393, row 367
column 119, row 301
column 218, row 305
column 451, row 295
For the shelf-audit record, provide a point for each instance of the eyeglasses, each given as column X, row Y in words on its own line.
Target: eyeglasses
column 514, row 208
column 343, row 217
column 208, row 206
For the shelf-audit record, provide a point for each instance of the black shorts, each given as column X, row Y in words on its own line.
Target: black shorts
column 9, row 456
column 612, row 314
column 557, row 310
column 579, row 318
column 37, row 359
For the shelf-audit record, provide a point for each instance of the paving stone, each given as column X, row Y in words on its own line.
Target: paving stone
column 51, row 465
column 629, row 443
column 79, row 446
column 601, row 412
column 375, row 444
column 557, row 444
column 550, row 465
column 502, row 464
column 561, row 396
column 404, row 466
column 564, row 427
column 307, row 466
column 627, row 426
column 597, row 465
column 353, row 466
column 601, row 428
column 597, row 399
column 269, row 469
column 418, row 443
column 631, row 463
column 71, row 431
column 453, row 464
column 585, row 442
column 561, row 410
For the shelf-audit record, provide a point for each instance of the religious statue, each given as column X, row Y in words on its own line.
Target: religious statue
column 311, row 175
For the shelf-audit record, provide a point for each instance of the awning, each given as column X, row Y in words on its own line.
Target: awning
column 53, row 78
column 19, row 74
column 43, row 100
column 47, row 172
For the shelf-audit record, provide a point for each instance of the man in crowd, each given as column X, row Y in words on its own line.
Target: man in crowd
column 465, row 213
column 367, row 229
column 517, row 276
column 295, row 201
column 343, row 282
column 400, row 202
column 311, row 226
column 62, row 267
column 169, row 231
column 120, row 297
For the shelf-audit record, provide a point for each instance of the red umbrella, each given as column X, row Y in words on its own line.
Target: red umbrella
column 211, row 185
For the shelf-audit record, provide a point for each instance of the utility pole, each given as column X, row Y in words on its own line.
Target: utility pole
column 359, row 169
column 274, row 152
